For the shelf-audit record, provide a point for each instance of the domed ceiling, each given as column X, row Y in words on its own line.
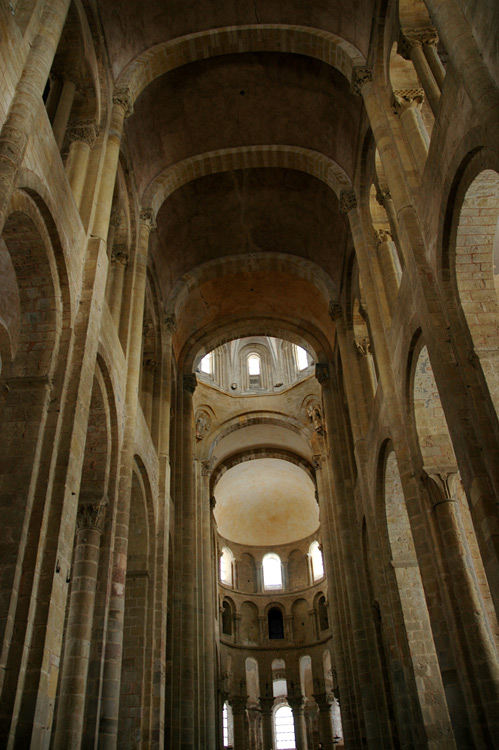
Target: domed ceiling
column 266, row 502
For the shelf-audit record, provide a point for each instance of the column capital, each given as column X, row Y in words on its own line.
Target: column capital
column 335, row 310
column 297, row 703
column 190, row 382
column 123, row 98
column 362, row 347
column 407, row 99
column 170, row 323
column 322, row 372
column 83, row 130
column 382, row 235
column 266, row 705
column 411, row 38
column 238, row 703
column 382, row 195
column 348, row 201
column 90, row 515
column 324, row 700
column 360, row 76
column 146, row 218
column 119, row 254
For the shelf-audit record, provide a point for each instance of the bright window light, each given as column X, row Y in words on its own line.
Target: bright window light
column 301, row 358
column 284, row 729
column 226, row 566
column 207, row 364
column 272, row 575
column 254, row 364
column 317, row 562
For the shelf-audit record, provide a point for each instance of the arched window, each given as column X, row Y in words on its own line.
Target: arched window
column 301, row 358
column 322, row 612
column 254, row 371
column 226, row 618
column 272, row 574
column 284, row 729
column 276, row 624
column 206, row 364
column 227, row 724
column 226, row 560
column 316, row 562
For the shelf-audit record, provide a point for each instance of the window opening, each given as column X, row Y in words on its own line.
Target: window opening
column 206, row 364
column 276, row 624
column 272, row 574
column 284, row 729
column 254, row 364
column 227, row 726
column 226, row 619
column 226, row 559
column 316, row 561
column 301, row 358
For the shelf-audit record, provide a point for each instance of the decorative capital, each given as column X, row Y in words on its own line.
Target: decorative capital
column 297, row 703
column 445, row 479
column 91, row 515
column 322, row 372
column 382, row 235
column 123, row 98
column 119, row 254
column 238, row 703
column 362, row 347
column 266, row 705
column 360, row 76
column 348, row 201
column 406, row 99
column 147, row 218
column 190, row 383
column 324, row 701
column 409, row 39
column 382, row 195
column 83, row 130
column 170, row 323
column 335, row 310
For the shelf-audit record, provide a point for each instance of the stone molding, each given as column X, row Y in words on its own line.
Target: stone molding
column 411, row 38
column 85, row 131
column 146, row 217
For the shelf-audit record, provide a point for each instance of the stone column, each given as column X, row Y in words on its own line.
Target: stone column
column 468, row 64
column 119, row 261
column 324, row 701
column 388, row 267
column 460, row 572
column 148, row 372
column 63, row 111
column 71, row 707
column 407, row 104
column 238, row 705
column 122, row 108
column 24, row 107
column 297, row 703
column 266, row 708
column 208, row 610
column 385, row 200
column 81, row 135
column 108, row 728
column 364, row 353
column 410, row 47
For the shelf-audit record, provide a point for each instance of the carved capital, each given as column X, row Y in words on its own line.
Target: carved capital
column 297, row 703
column 382, row 235
column 409, row 39
column 335, row 310
column 360, row 76
column 324, row 701
column 170, row 323
column 266, row 705
column 362, row 347
column 382, row 195
column 91, row 515
column 348, row 201
column 322, row 372
column 119, row 254
column 190, row 383
column 407, row 99
column 147, row 219
column 445, row 479
column 83, row 130
column 123, row 98
column 238, row 703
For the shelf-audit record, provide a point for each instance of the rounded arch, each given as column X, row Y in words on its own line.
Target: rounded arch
column 303, row 40
column 301, row 159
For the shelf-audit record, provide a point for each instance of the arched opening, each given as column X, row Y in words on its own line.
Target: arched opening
column 275, row 624
column 284, row 728
column 316, row 561
column 226, row 567
column 272, row 571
